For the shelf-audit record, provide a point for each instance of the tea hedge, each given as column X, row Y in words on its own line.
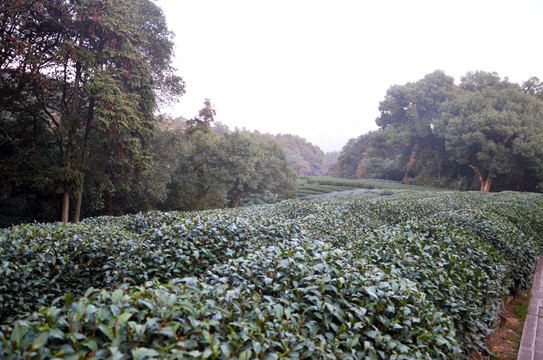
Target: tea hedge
column 292, row 300
column 44, row 261
column 408, row 275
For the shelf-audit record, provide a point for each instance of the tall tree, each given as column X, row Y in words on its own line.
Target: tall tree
column 104, row 62
column 30, row 38
column 202, row 122
column 411, row 110
column 255, row 166
column 493, row 128
column 352, row 154
column 199, row 179
column 533, row 86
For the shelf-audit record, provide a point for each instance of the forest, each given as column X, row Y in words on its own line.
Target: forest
column 82, row 83
column 483, row 133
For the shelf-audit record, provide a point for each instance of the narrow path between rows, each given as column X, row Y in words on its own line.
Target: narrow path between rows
column 531, row 345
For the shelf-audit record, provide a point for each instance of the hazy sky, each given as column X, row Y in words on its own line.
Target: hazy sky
column 319, row 69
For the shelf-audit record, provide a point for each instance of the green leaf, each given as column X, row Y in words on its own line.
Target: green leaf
column 116, row 354
column 88, row 292
column 17, row 333
column 207, row 353
column 91, row 344
column 372, row 334
column 279, row 311
column 144, row 352
column 168, row 331
column 245, row 355
column 117, row 296
column 124, row 317
column 371, row 292
column 226, row 349
column 56, row 333
column 40, row 340
column 69, row 298
column 107, row 330
column 355, row 340
column 257, row 347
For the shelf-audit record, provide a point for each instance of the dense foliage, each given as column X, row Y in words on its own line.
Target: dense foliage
column 408, row 275
column 79, row 82
column 304, row 157
column 191, row 165
column 214, row 171
column 484, row 133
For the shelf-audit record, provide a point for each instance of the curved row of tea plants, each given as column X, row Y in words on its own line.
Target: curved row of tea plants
column 411, row 275
column 296, row 299
column 43, row 261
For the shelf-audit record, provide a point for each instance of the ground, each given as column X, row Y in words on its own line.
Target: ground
column 504, row 342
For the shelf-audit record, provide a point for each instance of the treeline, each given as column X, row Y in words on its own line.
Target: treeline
column 484, row 133
column 79, row 85
column 80, row 82
column 190, row 168
column 222, row 168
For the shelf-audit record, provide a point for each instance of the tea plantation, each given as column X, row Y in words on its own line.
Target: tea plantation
column 351, row 275
column 319, row 185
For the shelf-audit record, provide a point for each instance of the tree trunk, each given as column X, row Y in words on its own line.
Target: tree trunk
column 77, row 209
column 203, row 200
column 485, row 183
column 83, row 161
column 439, row 164
column 485, row 186
column 66, row 196
column 71, row 132
column 239, row 197
column 65, row 207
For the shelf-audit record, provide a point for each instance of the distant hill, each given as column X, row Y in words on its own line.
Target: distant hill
column 305, row 158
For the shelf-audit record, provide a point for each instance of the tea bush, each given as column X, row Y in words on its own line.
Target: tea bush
column 409, row 275
column 292, row 300
column 41, row 262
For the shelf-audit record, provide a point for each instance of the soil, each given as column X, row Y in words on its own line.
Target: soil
column 505, row 340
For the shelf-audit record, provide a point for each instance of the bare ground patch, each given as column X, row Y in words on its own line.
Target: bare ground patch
column 504, row 341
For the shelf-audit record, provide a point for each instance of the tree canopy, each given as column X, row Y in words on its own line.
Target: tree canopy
column 485, row 131
column 84, row 74
column 304, row 157
column 222, row 169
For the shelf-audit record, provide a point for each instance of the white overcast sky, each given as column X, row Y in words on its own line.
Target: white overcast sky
column 319, row 69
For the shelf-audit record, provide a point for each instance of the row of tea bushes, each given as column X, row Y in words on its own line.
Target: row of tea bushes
column 485, row 245
column 510, row 222
column 43, row 261
column 296, row 299
column 341, row 269
column 459, row 274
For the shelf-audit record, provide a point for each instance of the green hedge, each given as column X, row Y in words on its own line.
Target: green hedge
column 292, row 300
column 410, row 275
column 41, row 262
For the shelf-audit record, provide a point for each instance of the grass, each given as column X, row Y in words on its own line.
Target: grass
column 521, row 311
